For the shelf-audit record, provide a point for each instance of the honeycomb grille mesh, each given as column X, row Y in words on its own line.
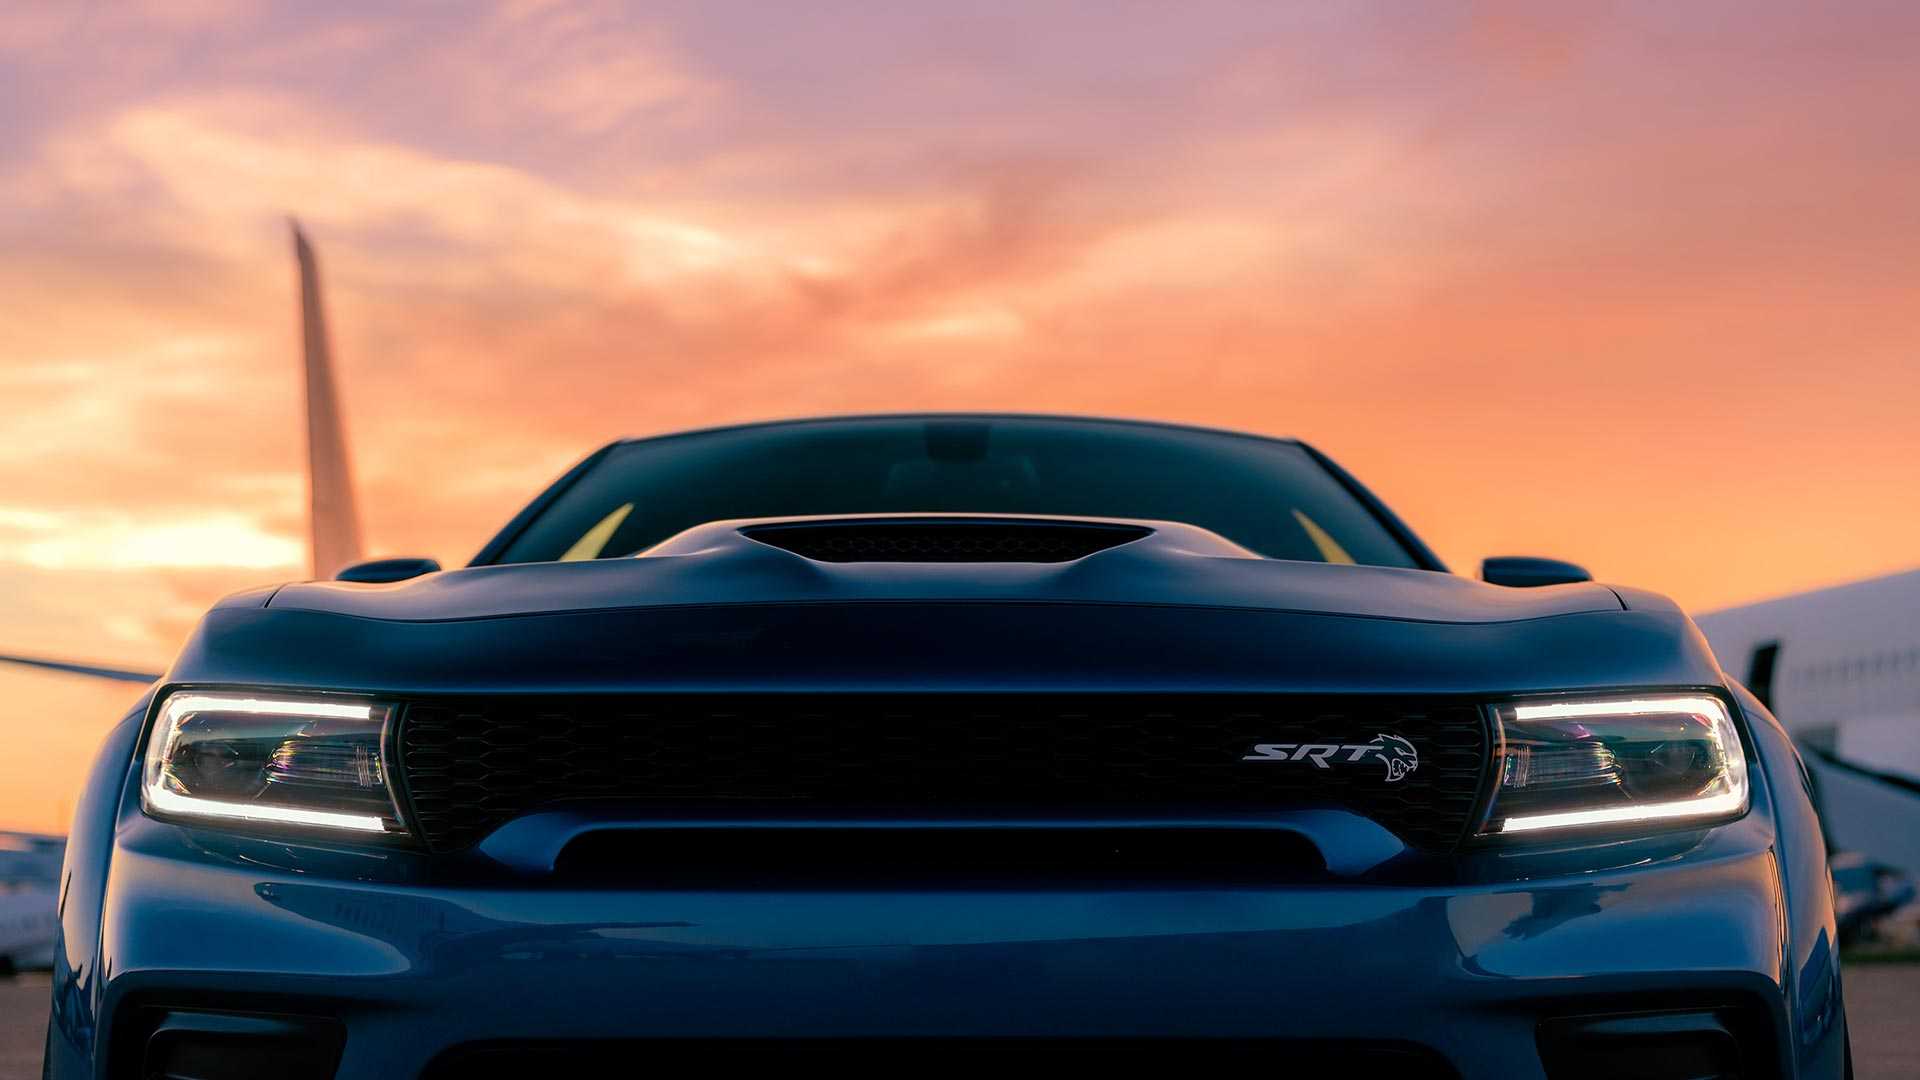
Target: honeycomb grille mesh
column 945, row 542
column 468, row 767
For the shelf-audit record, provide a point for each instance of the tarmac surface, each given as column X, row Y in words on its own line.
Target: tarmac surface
column 1883, row 1009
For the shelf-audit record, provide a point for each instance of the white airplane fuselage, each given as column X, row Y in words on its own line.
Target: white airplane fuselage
column 1840, row 667
column 1844, row 672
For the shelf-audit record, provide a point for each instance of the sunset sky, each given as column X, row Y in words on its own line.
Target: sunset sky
column 1636, row 285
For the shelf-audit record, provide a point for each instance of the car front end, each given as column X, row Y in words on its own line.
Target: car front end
column 942, row 790
column 1152, row 861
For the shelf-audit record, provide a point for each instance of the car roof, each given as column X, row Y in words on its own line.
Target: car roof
column 1423, row 554
column 803, row 421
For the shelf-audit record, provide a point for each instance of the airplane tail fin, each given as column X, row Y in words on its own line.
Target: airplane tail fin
column 334, row 518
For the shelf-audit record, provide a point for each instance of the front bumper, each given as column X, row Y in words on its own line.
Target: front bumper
column 413, row 968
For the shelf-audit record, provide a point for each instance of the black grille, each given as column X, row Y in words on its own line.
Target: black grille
column 995, row 541
column 470, row 766
column 1300, row 1059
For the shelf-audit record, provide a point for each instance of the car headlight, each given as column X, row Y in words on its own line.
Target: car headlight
column 1618, row 761
column 272, row 760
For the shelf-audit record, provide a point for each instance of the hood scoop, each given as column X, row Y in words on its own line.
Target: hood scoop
column 945, row 540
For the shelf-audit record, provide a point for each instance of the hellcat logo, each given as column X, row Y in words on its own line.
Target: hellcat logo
column 1396, row 753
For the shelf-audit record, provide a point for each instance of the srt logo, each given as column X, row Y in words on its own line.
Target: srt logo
column 1396, row 753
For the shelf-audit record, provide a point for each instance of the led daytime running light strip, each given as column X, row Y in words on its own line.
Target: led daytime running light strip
column 1560, row 710
column 1726, row 802
column 173, row 802
column 222, row 703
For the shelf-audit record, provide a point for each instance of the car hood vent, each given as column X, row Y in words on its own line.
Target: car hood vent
column 946, row 541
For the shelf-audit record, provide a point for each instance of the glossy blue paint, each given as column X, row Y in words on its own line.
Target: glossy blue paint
column 943, row 645
column 1464, row 953
column 1810, row 952
column 1352, row 845
column 415, row 963
column 78, row 979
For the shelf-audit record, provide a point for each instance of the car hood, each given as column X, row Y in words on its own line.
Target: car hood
column 1163, row 563
column 1169, row 608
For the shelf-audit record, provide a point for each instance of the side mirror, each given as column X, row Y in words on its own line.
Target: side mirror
column 381, row 571
column 1522, row 572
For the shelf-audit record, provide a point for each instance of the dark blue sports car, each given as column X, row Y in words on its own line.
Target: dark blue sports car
column 928, row 743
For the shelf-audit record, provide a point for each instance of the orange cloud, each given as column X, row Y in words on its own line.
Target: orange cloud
column 1636, row 293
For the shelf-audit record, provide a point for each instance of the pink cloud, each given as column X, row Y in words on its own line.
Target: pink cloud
column 1473, row 256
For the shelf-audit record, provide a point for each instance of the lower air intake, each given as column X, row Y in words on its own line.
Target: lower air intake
column 1304, row 1059
column 747, row 857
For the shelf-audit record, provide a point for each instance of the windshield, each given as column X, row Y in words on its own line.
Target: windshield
column 1271, row 497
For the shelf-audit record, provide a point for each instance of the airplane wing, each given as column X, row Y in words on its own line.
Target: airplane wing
column 1872, row 813
column 93, row 670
